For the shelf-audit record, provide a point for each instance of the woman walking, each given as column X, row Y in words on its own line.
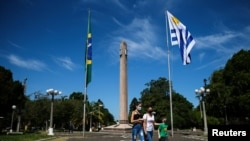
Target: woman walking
column 149, row 123
column 137, row 121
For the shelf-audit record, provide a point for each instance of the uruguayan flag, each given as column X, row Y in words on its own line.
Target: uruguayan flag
column 180, row 36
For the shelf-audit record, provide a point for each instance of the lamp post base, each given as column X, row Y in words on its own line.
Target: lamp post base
column 205, row 133
column 51, row 132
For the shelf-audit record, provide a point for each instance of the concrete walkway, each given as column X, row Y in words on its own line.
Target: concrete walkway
column 112, row 136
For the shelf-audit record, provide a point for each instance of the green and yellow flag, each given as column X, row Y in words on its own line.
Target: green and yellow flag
column 88, row 52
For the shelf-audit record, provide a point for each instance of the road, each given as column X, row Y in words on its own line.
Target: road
column 113, row 136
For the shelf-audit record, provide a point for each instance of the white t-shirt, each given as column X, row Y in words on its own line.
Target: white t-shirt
column 150, row 121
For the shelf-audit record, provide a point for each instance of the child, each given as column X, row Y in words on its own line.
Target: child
column 163, row 130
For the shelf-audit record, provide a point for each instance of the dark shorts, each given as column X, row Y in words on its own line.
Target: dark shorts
column 163, row 139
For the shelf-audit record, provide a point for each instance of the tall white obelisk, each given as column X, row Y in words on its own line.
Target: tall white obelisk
column 123, row 125
column 123, row 84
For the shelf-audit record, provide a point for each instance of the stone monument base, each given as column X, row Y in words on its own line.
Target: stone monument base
column 118, row 128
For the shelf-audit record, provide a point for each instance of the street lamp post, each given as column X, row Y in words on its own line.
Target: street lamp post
column 52, row 92
column 13, row 108
column 203, row 91
column 99, row 125
column 90, row 125
column 199, row 98
column 19, row 110
column 225, row 108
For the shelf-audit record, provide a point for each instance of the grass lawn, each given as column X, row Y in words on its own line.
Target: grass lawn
column 24, row 137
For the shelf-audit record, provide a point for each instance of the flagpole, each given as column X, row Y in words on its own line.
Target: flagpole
column 84, row 107
column 169, row 80
column 85, row 94
column 85, row 86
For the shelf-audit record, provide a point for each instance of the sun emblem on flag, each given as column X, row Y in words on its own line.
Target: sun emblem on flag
column 175, row 20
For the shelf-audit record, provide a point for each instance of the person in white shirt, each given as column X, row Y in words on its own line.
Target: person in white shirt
column 149, row 123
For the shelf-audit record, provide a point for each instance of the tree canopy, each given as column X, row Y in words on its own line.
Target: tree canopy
column 36, row 113
column 230, row 90
column 156, row 95
column 11, row 93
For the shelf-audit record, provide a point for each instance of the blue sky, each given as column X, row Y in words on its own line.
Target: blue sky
column 44, row 41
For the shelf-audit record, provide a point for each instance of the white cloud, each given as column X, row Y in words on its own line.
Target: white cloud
column 141, row 38
column 118, row 3
column 65, row 62
column 28, row 64
column 14, row 44
column 224, row 45
column 118, row 22
column 107, row 3
column 216, row 63
column 201, row 56
column 227, row 42
column 215, row 40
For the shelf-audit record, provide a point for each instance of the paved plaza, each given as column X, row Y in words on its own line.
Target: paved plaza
column 113, row 136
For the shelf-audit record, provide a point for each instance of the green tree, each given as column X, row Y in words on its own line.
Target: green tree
column 217, row 100
column 64, row 112
column 77, row 96
column 76, row 99
column 37, row 113
column 108, row 118
column 230, row 90
column 157, row 95
column 132, row 107
column 98, row 113
column 11, row 93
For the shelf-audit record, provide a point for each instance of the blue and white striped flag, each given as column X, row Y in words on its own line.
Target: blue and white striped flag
column 180, row 36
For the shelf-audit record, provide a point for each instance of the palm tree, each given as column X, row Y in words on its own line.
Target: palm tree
column 95, row 114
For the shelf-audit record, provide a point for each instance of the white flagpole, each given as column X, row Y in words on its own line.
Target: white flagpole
column 169, row 80
column 84, row 101
column 84, row 108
